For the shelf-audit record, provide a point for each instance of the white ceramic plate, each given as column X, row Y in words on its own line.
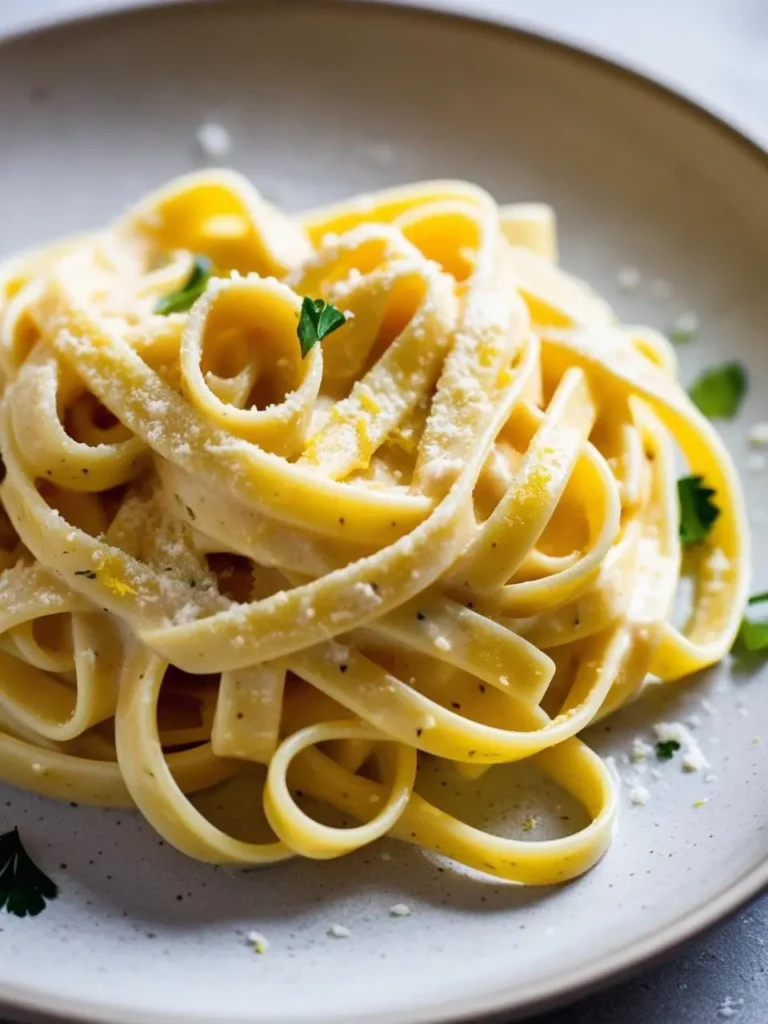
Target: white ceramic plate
column 323, row 100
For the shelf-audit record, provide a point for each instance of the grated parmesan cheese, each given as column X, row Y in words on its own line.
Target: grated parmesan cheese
column 400, row 910
column 686, row 327
column 339, row 653
column 214, row 139
column 639, row 795
column 758, row 434
column 441, row 468
column 338, row 931
column 729, row 1007
column 258, row 941
column 367, row 593
column 640, row 749
column 693, row 759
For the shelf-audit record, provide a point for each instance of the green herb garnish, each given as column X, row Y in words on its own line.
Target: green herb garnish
column 666, row 748
column 24, row 888
column 318, row 319
column 753, row 633
column 697, row 511
column 718, row 392
column 183, row 298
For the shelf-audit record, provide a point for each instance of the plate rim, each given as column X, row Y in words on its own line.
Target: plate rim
column 522, row 1001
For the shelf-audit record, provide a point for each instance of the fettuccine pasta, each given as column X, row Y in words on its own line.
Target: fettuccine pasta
column 448, row 530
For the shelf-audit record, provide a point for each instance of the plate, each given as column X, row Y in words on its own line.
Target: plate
column 323, row 100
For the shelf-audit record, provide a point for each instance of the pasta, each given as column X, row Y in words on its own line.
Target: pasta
column 448, row 531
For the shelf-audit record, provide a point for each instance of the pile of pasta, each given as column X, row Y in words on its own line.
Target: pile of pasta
column 450, row 530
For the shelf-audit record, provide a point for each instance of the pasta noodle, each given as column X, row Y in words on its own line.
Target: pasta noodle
column 449, row 531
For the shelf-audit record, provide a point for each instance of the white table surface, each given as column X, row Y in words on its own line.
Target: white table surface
column 715, row 51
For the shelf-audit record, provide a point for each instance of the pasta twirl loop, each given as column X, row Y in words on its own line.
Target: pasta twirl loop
column 246, row 328
column 311, row 838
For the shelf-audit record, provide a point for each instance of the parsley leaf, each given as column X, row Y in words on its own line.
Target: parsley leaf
column 318, row 319
column 718, row 391
column 666, row 748
column 697, row 511
column 753, row 633
column 753, row 636
column 23, row 886
column 183, row 298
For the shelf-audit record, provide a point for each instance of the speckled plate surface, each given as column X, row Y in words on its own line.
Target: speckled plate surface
column 323, row 100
